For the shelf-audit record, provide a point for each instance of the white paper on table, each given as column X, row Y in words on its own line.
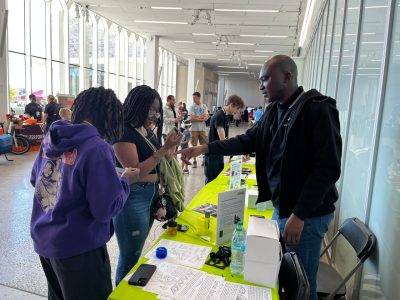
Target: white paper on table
column 182, row 253
column 252, row 176
column 231, row 290
column 181, row 283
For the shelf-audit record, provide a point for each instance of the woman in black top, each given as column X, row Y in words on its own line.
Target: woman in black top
column 139, row 148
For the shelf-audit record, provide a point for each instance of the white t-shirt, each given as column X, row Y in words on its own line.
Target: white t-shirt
column 198, row 110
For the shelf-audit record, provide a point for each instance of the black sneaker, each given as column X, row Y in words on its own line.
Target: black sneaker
column 185, row 171
column 194, row 165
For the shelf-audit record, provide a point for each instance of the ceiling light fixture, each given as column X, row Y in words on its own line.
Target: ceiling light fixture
column 264, row 36
column 77, row 9
column 255, row 65
column 234, row 43
column 248, row 10
column 166, row 7
column 203, row 33
column 224, row 59
column 233, row 72
column 244, row 55
column 160, row 22
column 195, row 16
column 230, row 67
column 264, row 51
column 207, row 16
column 306, row 22
column 200, row 54
column 185, row 42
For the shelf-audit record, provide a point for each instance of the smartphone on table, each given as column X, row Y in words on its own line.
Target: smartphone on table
column 142, row 275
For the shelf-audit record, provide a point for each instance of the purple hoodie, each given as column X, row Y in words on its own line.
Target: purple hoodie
column 77, row 191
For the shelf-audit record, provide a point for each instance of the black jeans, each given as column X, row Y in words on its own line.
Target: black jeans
column 86, row 276
column 213, row 165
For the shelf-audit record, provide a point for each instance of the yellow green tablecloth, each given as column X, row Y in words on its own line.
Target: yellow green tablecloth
column 208, row 194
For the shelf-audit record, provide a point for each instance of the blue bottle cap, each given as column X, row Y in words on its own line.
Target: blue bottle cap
column 161, row 252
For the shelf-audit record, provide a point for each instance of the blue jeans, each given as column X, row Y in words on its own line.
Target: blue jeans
column 132, row 225
column 309, row 247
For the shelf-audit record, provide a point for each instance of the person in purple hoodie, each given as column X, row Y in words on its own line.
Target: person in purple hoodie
column 77, row 193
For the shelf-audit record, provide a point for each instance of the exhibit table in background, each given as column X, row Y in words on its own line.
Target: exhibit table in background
column 34, row 133
column 208, row 194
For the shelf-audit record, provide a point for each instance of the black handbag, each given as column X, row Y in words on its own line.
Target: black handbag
column 163, row 208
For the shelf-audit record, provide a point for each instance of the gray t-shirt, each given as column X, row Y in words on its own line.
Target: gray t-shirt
column 198, row 110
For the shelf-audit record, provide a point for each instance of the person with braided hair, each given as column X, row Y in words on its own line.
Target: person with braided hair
column 77, row 192
column 140, row 148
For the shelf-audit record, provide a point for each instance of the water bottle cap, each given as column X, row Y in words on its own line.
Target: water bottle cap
column 161, row 252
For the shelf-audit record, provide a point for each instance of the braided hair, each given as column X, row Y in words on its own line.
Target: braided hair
column 137, row 106
column 102, row 108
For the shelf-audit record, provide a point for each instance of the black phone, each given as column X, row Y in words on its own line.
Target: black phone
column 142, row 275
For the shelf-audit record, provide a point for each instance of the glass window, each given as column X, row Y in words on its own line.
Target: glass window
column 73, row 38
column 170, row 66
column 39, row 78
column 73, row 80
column 101, row 36
column 321, row 48
column 364, row 110
column 16, row 81
column 112, row 84
column 112, row 51
column 88, row 46
column 132, row 57
column 88, row 78
column 382, row 271
column 174, row 66
column 144, row 61
column 347, row 61
column 123, row 46
column 58, row 71
column 16, row 30
column 164, row 85
column 330, row 9
column 100, row 78
column 337, row 35
column 122, row 88
column 57, row 31
column 38, row 28
column 139, row 61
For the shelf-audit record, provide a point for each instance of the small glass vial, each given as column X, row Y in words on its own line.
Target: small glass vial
column 172, row 228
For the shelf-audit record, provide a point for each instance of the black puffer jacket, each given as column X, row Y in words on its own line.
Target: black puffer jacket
column 311, row 160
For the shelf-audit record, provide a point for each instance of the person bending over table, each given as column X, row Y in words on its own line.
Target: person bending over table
column 298, row 154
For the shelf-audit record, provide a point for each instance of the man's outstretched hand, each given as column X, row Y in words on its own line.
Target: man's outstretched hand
column 191, row 152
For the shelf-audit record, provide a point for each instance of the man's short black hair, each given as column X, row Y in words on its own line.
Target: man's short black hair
column 197, row 94
column 169, row 97
column 32, row 96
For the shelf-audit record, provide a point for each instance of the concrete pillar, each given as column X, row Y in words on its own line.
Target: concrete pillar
column 152, row 61
column 191, row 81
column 4, row 101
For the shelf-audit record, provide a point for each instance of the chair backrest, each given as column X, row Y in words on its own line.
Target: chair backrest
column 293, row 279
column 359, row 237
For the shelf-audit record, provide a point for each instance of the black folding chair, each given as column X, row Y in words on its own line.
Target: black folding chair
column 293, row 282
column 330, row 285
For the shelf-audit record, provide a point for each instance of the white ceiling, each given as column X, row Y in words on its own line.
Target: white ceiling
column 227, row 26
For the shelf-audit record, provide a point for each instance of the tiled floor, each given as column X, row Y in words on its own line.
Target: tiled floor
column 21, row 276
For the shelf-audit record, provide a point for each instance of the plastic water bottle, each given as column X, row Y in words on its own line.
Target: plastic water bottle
column 238, row 248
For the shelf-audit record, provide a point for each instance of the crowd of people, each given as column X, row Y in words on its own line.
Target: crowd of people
column 99, row 172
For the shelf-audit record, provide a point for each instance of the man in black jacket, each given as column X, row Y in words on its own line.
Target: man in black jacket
column 298, row 154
